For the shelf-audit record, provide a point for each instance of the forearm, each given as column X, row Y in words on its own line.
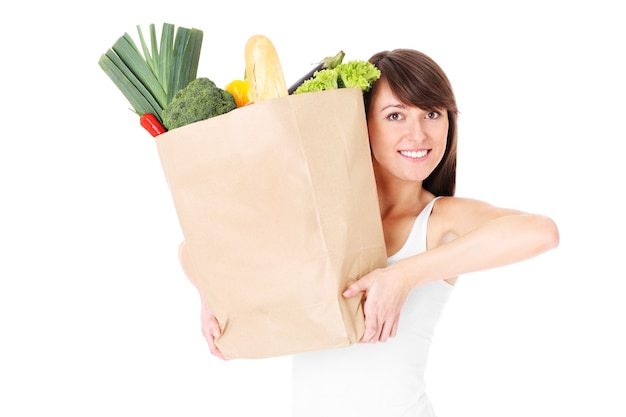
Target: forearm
column 502, row 241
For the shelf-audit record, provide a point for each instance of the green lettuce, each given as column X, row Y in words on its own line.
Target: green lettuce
column 351, row 74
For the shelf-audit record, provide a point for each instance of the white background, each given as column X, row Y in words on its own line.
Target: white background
column 96, row 317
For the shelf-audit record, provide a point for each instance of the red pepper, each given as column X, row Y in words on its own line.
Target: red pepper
column 152, row 124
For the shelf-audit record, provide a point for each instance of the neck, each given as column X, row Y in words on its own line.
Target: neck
column 396, row 195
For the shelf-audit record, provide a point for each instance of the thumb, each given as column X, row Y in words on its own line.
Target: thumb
column 354, row 289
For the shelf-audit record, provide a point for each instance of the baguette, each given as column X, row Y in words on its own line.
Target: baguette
column 263, row 69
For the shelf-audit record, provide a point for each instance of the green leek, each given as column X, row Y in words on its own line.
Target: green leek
column 150, row 77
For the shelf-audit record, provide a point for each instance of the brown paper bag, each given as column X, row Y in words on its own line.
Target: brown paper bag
column 278, row 206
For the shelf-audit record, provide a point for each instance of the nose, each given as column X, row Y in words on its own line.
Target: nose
column 415, row 130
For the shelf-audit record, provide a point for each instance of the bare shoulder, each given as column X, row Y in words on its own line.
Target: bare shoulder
column 458, row 215
column 462, row 204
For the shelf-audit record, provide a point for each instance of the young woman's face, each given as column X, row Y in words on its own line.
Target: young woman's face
column 407, row 142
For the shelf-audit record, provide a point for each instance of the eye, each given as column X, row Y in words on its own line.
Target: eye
column 433, row 114
column 395, row 116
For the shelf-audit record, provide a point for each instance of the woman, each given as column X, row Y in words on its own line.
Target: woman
column 431, row 238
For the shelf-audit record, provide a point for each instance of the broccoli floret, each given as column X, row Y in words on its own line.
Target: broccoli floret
column 199, row 100
column 351, row 74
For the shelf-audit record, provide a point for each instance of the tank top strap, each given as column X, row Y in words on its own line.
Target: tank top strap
column 416, row 241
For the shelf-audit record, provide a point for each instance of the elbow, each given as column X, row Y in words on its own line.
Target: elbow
column 549, row 233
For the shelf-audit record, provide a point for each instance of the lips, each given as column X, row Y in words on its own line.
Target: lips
column 414, row 154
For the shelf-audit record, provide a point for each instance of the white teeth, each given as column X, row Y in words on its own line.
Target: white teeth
column 414, row 154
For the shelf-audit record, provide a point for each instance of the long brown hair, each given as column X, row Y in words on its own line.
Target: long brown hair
column 418, row 80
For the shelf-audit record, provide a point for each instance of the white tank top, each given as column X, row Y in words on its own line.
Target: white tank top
column 382, row 379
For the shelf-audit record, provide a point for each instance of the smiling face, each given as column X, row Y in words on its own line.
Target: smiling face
column 407, row 142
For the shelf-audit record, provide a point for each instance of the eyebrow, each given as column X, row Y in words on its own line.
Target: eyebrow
column 398, row 105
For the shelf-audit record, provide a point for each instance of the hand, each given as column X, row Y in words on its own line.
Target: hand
column 210, row 329
column 385, row 294
column 210, row 326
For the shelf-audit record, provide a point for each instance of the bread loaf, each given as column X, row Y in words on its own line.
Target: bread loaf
column 263, row 69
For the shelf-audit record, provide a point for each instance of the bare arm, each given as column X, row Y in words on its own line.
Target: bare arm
column 477, row 237
column 464, row 236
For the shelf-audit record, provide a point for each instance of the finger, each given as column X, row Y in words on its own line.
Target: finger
column 387, row 330
column 372, row 329
column 394, row 329
column 214, row 349
column 355, row 288
column 211, row 330
column 370, row 335
column 352, row 290
column 209, row 336
column 216, row 352
column 384, row 333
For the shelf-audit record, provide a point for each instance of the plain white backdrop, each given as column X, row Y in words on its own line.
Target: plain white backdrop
column 96, row 317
